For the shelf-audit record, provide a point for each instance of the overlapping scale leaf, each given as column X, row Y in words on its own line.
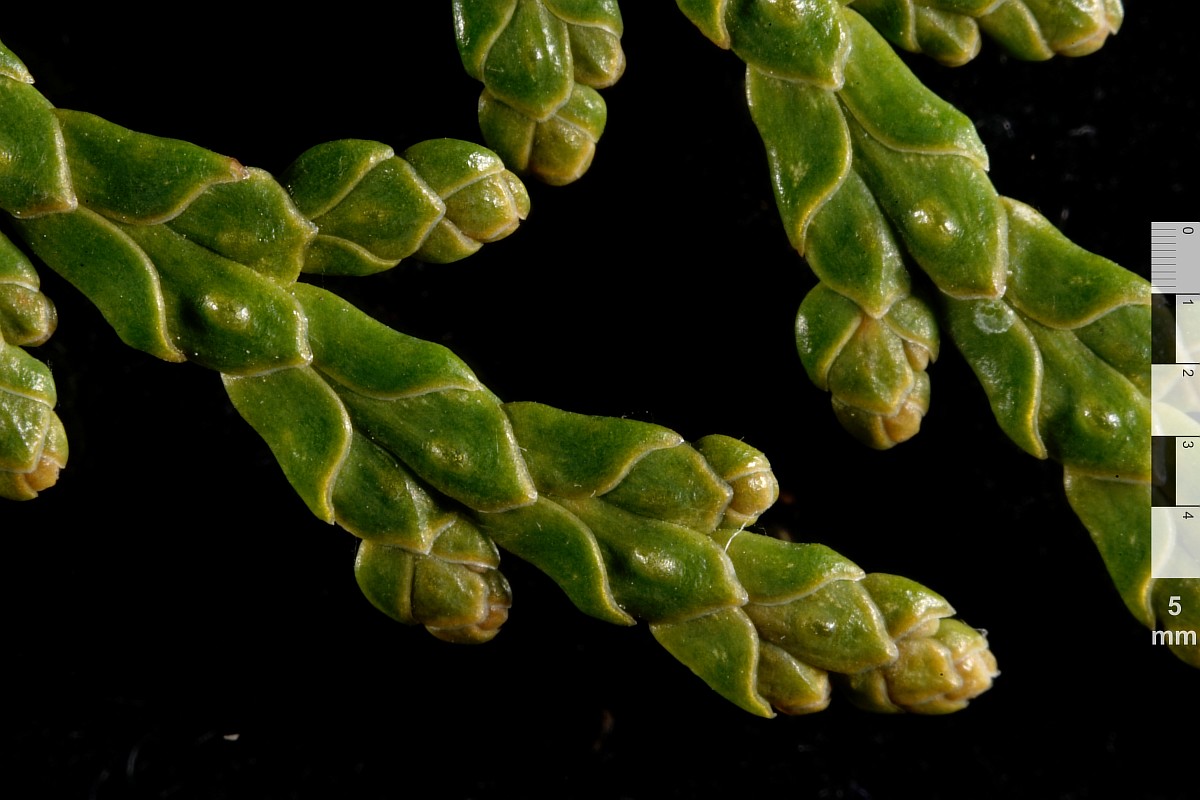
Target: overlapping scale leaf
column 799, row 42
column 675, row 485
column 936, row 674
column 252, row 222
column 1051, row 392
column 178, row 292
column 951, row 38
column 579, row 455
column 305, row 425
column 33, row 444
column 853, row 251
column 455, row 591
column 219, row 313
column 1058, row 283
column 723, row 649
column 806, row 600
column 642, row 468
column 874, row 368
column 944, row 209
column 376, row 497
column 942, row 663
column 34, row 176
column 749, row 475
column 757, row 619
column 418, row 562
column 1053, row 395
column 790, row 685
column 527, row 63
column 195, row 255
column 1038, row 29
column 373, row 427
column 658, row 568
column 12, row 67
column 540, row 62
column 1004, row 355
column 808, row 147
column 559, row 149
column 948, row 30
column 459, row 442
column 1090, row 416
column 135, row 177
column 27, row 317
column 1117, row 514
column 426, row 408
column 594, row 28
column 810, row 612
column 895, row 108
column 484, row 201
column 787, row 612
column 561, row 545
column 1119, row 339
column 440, row 202
column 851, row 170
column 128, row 291
column 1064, row 358
column 860, row 333
column 349, row 344
column 836, row 628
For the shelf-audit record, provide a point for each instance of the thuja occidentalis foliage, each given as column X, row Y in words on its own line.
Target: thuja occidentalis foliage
column 412, row 454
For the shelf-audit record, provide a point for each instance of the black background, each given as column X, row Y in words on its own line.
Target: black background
column 177, row 625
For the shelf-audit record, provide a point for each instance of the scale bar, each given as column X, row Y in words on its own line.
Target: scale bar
column 1175, row 257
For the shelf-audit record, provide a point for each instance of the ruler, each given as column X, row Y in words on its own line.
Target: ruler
column 1175, row 257
column 1175, row 401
